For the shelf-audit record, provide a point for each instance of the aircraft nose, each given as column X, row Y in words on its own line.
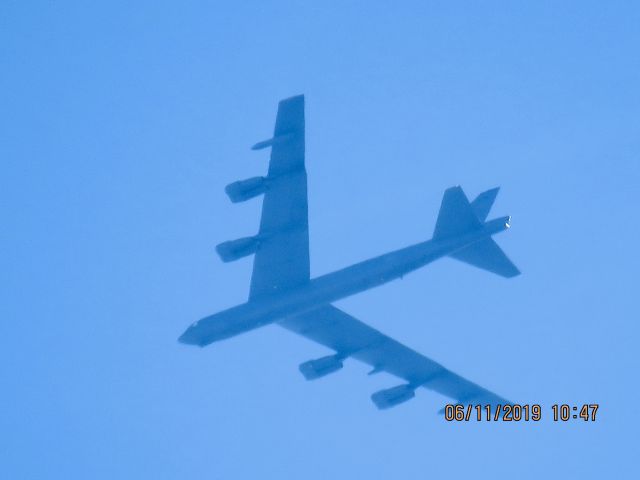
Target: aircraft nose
column 188, row 337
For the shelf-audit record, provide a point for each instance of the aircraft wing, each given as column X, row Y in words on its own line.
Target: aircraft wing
column 350, row 337
column 281, row 261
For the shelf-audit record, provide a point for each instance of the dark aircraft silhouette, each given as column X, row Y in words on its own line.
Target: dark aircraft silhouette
column 282, row 291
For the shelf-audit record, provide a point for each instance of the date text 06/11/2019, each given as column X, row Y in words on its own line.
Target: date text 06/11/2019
column 518, row 413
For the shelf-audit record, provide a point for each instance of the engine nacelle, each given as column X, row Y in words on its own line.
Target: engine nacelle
column 243, row 190
column 322, row 366
column 393, row 396
column 235, row 249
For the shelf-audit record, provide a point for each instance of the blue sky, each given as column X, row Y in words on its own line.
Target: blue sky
column 121, row 124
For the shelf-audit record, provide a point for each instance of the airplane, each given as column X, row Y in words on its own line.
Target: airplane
column 282, row 291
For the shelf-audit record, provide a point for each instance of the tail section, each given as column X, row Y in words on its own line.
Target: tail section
column 458, row 216
column 483, row 203
column 486, row 254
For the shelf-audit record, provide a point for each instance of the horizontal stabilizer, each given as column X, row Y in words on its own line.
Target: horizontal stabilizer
column 486, row 254
column 483, row 203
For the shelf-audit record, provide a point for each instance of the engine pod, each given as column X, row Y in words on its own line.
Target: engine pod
column 235, row 249
column 243, row 190
column 319, row 368
column 393, row 396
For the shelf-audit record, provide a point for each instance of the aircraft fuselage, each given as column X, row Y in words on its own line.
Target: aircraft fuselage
column 331, row 287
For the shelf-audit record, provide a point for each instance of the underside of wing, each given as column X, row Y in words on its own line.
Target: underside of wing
column 281, row 259
column 349, row 337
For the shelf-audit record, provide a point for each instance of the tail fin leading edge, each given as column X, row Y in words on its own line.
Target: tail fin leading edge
column 456, row 216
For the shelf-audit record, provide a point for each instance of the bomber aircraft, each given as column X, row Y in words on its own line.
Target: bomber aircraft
column 283, row 293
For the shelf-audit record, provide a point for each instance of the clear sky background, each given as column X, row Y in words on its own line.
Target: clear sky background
column 121, row 124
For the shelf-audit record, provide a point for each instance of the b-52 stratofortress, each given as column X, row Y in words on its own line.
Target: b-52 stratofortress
column 283, row 293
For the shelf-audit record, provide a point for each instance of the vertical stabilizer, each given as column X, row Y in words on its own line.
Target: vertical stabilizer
column 456, row 216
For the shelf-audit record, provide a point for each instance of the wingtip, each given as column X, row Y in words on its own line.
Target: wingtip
column 293, row 98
